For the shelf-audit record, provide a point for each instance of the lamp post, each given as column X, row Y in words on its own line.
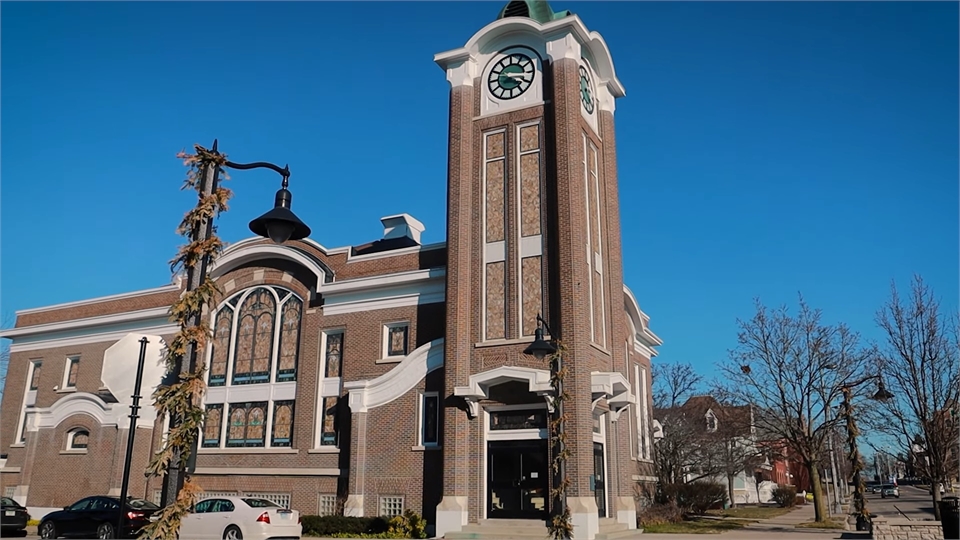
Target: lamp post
column 131, row 434
column 540, row 349
column 856, row 462
column 279, row 224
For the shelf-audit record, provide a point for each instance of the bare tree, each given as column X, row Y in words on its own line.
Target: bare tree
column 793, row 369
column 685, row 453
column 921, row 362
column 673, row 384
column 736, row 445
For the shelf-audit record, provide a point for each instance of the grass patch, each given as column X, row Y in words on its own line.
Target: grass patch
column 829, row 524
column 751, row 512
column 696, row 526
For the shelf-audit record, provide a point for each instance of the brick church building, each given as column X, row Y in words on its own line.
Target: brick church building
column 388, row 376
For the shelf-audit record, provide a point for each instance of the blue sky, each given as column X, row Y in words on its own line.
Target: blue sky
column 765, row 149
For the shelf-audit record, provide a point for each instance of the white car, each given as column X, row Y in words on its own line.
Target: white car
column 240, row 518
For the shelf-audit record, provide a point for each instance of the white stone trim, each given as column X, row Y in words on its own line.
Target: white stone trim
column 641, row 321
column 487, row 37
column 122, row 296
column 239, row 254
column 78, row 403
column 75, row 324
column 538, row 382
column 382, row 292
column 351, row 258
column 369, row 394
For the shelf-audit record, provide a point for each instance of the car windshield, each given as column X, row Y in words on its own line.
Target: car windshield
column 261, row 503
column 140, row 504
column 7, row 501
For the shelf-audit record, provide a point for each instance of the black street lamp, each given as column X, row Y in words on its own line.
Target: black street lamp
column 279, row 224
column 131, row 434
column 540, row 349
column 856, row 461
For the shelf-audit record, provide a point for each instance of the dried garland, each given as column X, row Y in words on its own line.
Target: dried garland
column 856, row 461
column 183, row 399
column 560, row 526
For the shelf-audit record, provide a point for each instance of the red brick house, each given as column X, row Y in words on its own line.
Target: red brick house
column 389, row 376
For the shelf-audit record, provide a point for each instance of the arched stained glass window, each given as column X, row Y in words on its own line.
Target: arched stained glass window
column 238, row 426
column 221, row 347
column 289, row 340
column 255, row 338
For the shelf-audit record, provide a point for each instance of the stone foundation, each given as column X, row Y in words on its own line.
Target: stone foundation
column 905, row 529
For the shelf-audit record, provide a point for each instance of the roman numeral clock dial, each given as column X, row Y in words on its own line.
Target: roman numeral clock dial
column 511, row 76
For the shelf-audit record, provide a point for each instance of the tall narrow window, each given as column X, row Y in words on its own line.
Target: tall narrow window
column 282, row 424
column 429, row 419
column 73, row 369
column 289, row 340
column 255, row 338
column 247, row 423
column 334, row 354
column 221, row 347
column 329, row 433
column 211, row 426
column 35, row 376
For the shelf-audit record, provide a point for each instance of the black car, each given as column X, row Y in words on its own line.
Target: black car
column 14, row 516
column 97, row 517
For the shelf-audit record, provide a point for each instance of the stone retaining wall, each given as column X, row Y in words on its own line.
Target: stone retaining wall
column 905, row 529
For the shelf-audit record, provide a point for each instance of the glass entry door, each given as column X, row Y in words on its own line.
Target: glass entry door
column 599, row 483
column 517, row 478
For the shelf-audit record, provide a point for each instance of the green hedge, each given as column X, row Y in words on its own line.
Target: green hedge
column 409, row 525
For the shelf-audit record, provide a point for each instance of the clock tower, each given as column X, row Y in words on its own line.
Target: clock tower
column 533, row 227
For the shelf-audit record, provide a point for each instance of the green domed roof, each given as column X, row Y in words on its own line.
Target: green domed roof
column 538, row 10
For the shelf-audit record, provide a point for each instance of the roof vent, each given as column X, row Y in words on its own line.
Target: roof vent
column 517, row 8
column 400, row 226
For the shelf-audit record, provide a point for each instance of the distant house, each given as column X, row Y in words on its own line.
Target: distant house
column 712, row 440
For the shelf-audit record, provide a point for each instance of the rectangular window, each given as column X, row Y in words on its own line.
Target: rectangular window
column 429, row 419
column 35, row 374
column 283, row 499
column 282, row 434
column 596, row 423
column 334, row 354
column 643, row 427
column 529, row 419
column 396, row 339
column 391, row 506
column 9, row 491
column 326, row 505
column 70, row 374
column 247, row 425
column 329, row 428
column 211, row 426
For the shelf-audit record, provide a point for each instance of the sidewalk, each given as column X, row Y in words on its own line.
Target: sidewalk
column 779, row 527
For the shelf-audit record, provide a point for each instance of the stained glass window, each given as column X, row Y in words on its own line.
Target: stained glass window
column 221, row 347
column 35, row 377
column 247, row 421
column 397, row 341
column 289, row 340
column 282, row 424
column 72, row 372
column 329, row 437
column 334, row 354
column 79, row 440
column 211, row 426
column 255, row 338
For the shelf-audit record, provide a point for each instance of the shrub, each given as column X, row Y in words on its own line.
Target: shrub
column 409, row 525
column 785, row 496
column 660, row 514
column 696, row 497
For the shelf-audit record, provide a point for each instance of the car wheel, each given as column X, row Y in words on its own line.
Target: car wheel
column 48, row 530
column 232, row 533
column 105, row 530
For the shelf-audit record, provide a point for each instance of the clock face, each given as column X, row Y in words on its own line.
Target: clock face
column 586, row 94
column 511, row 76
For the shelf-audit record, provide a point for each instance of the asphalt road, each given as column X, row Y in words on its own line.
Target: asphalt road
column 915, row 503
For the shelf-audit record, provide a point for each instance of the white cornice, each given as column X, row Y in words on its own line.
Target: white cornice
column 88, row 322
column 644, row 335
column 373, row 283
column 165, row 329
column 591, row 41
column 122, row 296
